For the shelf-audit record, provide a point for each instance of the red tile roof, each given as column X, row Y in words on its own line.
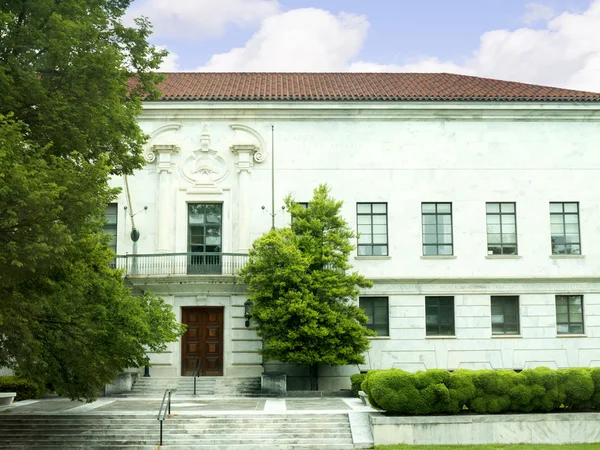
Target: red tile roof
column 239, row 86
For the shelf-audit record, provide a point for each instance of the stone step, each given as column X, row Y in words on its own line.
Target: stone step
column 325, row 431
column 183, row 447
column 173, row 426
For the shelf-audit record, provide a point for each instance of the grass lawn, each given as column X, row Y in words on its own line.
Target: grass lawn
column 491, row 447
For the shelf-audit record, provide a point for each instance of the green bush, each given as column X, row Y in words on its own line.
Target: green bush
column 25, row 389
column 482, row 391
column 356, row 381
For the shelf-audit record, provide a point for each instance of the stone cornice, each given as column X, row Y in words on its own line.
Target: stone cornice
column 474, row 111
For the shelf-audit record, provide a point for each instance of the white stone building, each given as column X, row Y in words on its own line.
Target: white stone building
column 477, row 202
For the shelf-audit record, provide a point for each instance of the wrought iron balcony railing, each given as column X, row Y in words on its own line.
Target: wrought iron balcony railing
column 182, row 263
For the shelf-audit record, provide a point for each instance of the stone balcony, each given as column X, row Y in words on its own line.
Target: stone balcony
column 181, row 264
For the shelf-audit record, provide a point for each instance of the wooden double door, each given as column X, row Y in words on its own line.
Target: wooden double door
column 202, row 341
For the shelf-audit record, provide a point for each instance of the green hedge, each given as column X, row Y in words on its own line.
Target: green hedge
column 25, row 389
column 482, row 391
column 356, row 381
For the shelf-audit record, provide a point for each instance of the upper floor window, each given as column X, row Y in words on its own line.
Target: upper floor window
column 437, row 228
column 376, row 309
column 372, row 229
column 564, row 228
column 569, row 314
column 501, row 228
column 205, row 227
column 110, row 226
column 505, row 314
column 439, row 316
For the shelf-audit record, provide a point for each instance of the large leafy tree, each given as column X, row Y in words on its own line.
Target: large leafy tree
column 68, row 121
column 303, row 293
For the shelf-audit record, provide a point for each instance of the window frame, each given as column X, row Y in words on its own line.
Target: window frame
column 372, row 245
column 436, row 214
column 569, row 323
column 373, row 316
column 112, row 228
column 452, row 304
column 564, row 234
column 504, row 299
column 204, row 226
column 502, row 245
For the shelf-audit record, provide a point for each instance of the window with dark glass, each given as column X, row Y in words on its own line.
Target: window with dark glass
column 564, row 228
column 505, row 314
column 569, row 314
column 110, row 226
column 204, row 237
column 437, row 228
column 501, row 228
column 376, row 309
column 372, row 223
column 439, row 316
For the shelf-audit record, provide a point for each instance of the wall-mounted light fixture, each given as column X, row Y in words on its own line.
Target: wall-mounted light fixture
column 247, row 315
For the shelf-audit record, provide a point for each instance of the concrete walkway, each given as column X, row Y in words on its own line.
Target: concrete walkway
column 190, row 406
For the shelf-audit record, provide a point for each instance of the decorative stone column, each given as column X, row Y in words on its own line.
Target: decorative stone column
column 246, row 157
column 164, row 203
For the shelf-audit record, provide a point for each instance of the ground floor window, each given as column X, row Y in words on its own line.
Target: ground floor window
column 505, row 314
column 569, row 314
column 439, row 316
column 376, row 309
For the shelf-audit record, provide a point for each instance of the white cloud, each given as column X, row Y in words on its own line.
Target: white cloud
column 564, row 51
column 193, row 19
column 536, row 12
column 170, row 62
column 564, row 54
column 298, row 40
column 424, row 65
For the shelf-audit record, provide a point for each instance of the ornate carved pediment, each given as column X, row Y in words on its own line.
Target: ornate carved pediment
column 205, row 168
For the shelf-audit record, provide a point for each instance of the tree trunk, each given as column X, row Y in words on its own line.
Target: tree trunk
column 313, row 373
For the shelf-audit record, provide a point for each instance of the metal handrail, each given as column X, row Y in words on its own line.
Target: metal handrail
column 190, row 263
column 167, row 395
column 196, row 374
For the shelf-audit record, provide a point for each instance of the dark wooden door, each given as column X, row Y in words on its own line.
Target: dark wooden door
column 203, row 340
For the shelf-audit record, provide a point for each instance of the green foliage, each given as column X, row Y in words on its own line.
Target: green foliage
column 356, row 380
column 25, row 389
column 304, row 297
column 68, row 121
column 482, row 391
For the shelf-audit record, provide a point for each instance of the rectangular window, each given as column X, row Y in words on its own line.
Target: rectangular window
column 501, row 228
column 569, row 314
column 437, row 228
column 204, row 237
column 376, row 309
column 372, row 229
column 505, row 314
column 564, row 228
column 110, row 226
column 439, row 313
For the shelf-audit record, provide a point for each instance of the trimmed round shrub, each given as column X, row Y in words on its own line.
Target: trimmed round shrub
column 461, row 389
column 356, row 380
column 578, row 387
column 25, row 389
column 595, row 400
column 482, row 391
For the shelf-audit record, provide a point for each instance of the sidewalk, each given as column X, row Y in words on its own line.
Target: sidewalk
column 190, row 405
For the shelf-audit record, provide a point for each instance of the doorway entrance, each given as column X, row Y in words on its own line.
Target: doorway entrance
column 202, row 341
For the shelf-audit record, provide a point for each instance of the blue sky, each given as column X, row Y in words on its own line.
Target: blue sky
column 551, row 42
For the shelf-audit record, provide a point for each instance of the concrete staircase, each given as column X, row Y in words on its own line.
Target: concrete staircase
column 217, row 432
column 216, row 386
